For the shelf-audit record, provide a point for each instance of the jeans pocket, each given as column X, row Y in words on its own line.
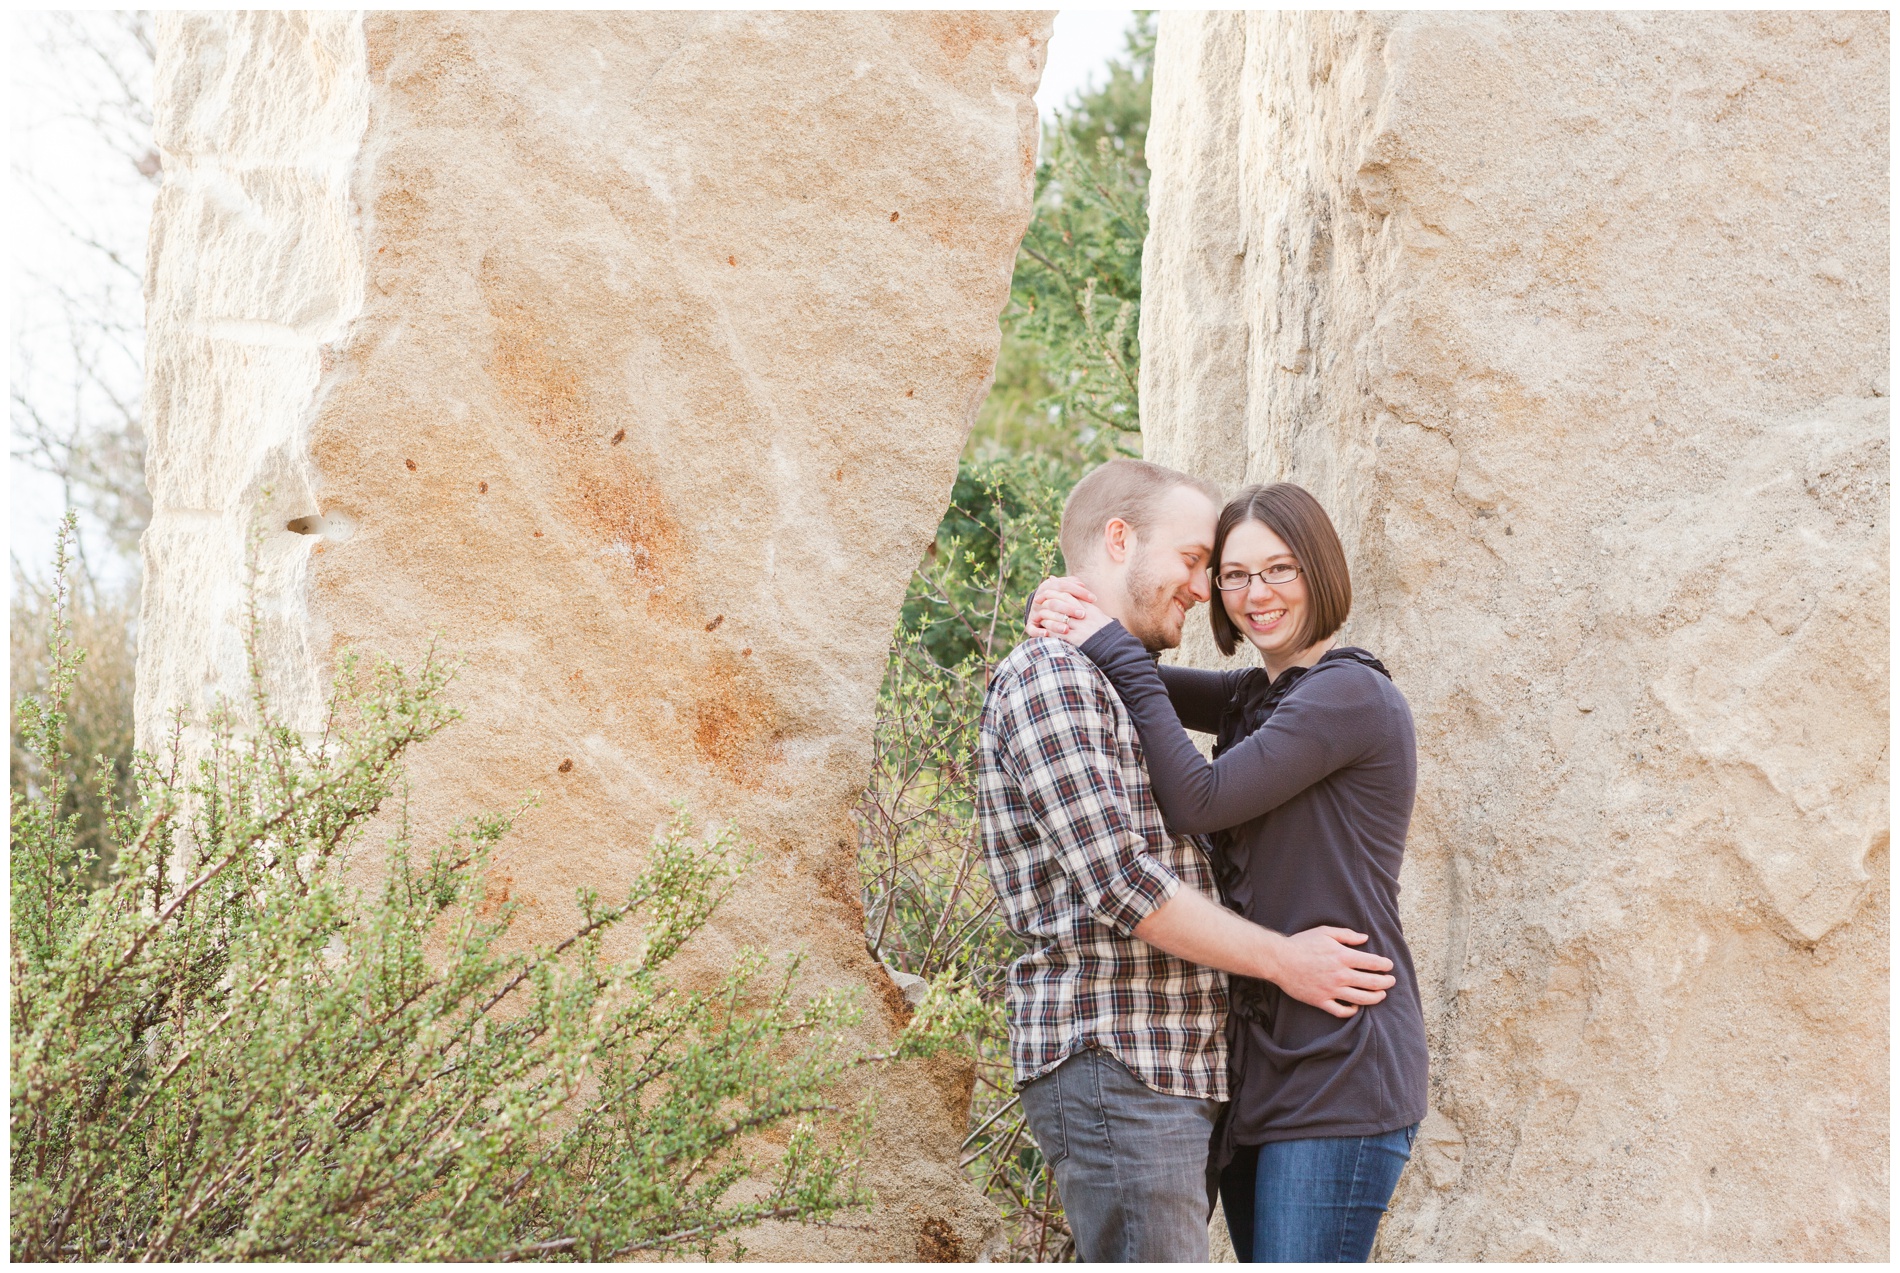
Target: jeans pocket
column 1042, row 1108
column 1061, row 1147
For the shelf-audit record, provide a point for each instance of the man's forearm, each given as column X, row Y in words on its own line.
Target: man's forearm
column 1190, row 927
column 1319, row 966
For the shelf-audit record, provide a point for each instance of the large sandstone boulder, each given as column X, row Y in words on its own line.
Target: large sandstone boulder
column 1578, row 324
column 628, row 355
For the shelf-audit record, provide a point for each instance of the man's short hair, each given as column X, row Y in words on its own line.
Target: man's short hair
column 1126, row 489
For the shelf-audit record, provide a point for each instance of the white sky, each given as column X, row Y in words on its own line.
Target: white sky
column 1085, row 41
column 67, row 183
column 64, row 177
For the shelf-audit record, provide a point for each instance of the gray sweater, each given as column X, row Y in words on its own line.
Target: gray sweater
column 1308, row 800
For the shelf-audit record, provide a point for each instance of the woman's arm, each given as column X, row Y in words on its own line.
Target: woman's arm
column 1199, row 696
column 1310, row 736
column 1066, row 609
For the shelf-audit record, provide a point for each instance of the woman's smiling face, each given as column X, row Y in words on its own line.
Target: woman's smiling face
column 1271, row 616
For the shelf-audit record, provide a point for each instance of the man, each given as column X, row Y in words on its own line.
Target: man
column 1117, row 1012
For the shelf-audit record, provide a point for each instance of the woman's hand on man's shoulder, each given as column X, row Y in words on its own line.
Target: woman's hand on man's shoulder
column 1064, row 608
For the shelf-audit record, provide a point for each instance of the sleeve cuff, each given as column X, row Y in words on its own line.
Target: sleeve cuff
column 1136, row 891
column 1115, row 649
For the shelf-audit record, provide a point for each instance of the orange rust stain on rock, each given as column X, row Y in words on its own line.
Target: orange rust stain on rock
column 610, row 502
column 526, row 367
column 837, row 879
column 735, row 727
column 629, row 513
column 496, row 891
column 957, row 34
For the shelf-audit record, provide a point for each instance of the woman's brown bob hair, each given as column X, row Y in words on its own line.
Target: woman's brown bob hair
column 1296, row 517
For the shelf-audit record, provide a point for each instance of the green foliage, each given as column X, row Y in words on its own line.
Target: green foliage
column 98, row 719
column 1064, row 400
column 1079, row 303
column 1068, row 374
column 235, row 1046
column 1021, row 415
column 997, row 540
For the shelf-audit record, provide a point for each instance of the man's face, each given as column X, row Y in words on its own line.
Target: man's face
column 1167, row 571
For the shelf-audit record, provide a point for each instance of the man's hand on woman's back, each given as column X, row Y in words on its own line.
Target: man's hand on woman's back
column 1322, row 966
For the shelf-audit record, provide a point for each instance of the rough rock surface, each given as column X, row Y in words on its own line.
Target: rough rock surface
column 630, row 353
column 1578, row 324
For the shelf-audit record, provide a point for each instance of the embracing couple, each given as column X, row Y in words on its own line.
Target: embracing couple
column 1217, row 993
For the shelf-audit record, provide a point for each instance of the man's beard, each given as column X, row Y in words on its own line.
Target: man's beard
column 1150, row 601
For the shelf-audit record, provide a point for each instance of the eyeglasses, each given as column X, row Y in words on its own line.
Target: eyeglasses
column 1233, row 579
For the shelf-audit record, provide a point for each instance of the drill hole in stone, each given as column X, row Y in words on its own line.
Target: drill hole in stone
column 335, row 527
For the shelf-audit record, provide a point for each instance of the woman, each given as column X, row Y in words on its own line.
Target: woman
column 1308, row 800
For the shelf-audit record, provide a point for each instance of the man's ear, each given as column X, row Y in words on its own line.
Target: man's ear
column 1118, row 540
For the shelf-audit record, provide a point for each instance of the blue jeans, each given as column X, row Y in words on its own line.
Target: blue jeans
column 1130, row 1162
column 1312, row 1201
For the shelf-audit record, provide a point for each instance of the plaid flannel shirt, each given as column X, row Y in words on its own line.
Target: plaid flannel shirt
column 1077, row 850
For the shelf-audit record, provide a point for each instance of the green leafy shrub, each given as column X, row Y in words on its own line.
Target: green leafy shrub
column 235, row 1045
column 98, row 741
column 1069, row 371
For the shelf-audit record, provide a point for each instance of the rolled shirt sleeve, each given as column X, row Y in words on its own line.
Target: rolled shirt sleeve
column 1062, row 753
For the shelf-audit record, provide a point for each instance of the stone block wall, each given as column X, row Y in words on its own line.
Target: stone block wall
column 628, row 356
column 1578, row 324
